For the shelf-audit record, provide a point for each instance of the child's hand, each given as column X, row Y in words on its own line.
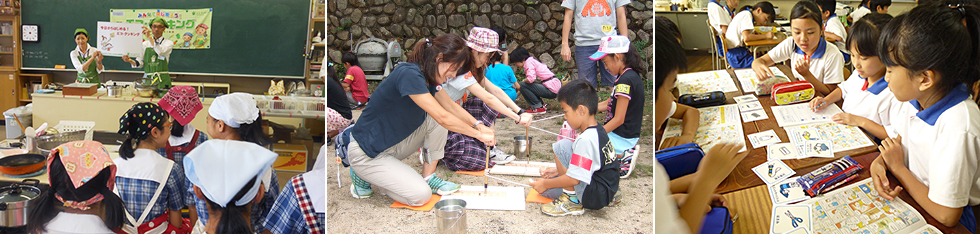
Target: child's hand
column 802, row 66
column 847, row 119
column 538, row 185
column 675, row 141
column 127, row 59
column 716, row 201
column 762, row 72
column 817, row 104
column 719, row 162
column 892, row 153
column 548, row 173
column 880, row 178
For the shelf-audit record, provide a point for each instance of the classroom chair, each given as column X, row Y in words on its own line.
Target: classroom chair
column 718, row 61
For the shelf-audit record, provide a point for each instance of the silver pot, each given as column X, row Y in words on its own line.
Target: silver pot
column 114, row 90
column 15, row 201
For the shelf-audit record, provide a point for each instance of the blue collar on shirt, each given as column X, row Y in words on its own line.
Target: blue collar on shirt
column 821, row 49
column 931, row 114
column 878, row 86
column 729, row 11
column 828, row 19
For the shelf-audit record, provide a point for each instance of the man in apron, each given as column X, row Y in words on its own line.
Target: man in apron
column 156, row 54
column 86, row 59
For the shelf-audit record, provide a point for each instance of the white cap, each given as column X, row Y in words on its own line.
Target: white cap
column 611, row 45
column 234, row 109
column 221, row 168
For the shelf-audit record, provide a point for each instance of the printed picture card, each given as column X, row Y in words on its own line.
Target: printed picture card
column 763, row 138
column 782, row 151
column 787, row 191
column 773, row 171
column 824, row 149
column 787, row 218
column 754, row 115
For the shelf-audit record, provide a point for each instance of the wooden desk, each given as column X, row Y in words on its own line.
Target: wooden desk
column 754, row 207
column 755, row 45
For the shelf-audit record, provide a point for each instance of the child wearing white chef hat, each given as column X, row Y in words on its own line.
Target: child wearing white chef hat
column 226, row 174
column 236, row 116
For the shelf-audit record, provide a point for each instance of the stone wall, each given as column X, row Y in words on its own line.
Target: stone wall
column 533, row 24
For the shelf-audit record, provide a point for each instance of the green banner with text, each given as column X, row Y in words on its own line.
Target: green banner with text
column 189, row 28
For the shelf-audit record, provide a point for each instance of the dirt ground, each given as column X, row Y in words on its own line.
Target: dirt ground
column 373, row 215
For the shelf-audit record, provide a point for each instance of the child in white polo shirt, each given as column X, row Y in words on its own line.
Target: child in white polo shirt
column 742, row 29
column 867, row 101
column 932, row 62
column 814, row 60
column 833, row 29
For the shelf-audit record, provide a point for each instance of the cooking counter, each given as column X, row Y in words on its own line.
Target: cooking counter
column 105, row 110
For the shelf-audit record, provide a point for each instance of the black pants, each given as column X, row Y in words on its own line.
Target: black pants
column 534, row 92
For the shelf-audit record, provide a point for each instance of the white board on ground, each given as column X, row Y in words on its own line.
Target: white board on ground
column 520, row 168
column 497, row 198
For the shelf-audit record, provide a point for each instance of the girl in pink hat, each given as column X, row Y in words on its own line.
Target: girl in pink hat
column 464, row 153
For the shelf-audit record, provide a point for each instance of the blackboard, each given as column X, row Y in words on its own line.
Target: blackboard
column 248, row 37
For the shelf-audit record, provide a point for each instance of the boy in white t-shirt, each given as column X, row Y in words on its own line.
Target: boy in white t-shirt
column 742, row 29
column 588, row 172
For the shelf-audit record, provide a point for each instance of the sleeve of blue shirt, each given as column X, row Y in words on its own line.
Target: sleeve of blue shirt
column 175, row 189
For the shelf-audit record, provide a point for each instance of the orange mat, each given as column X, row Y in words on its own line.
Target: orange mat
column 428, row 205
column 536, row 197
column 472, row 173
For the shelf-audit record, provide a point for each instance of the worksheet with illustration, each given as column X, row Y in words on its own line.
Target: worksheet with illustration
column 842, row 137
column 857, row 208
column 747, row 78
column 717, row 124
column 796, row 114
column 705, row 82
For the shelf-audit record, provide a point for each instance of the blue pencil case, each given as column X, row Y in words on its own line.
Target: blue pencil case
column 829, row 176
column 680, row 160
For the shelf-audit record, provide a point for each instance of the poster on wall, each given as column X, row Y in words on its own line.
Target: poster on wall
column 118, row 39
column 189, row 28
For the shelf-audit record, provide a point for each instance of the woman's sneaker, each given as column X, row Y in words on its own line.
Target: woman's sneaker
column 360, row 188
column 442, row 187
column 499, row 157
column 626, row 164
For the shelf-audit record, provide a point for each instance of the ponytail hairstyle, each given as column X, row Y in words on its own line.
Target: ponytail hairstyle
column 46, row 206
column 232, row 219
column 938, row 37
column 452, row 48
column 865, row 34
column 497, row 56
column 807, row 9
column 137, row 124
column 632, row 60
column 176, row 129
column 252, row 132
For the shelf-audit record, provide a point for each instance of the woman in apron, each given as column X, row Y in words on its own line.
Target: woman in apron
column 227, row 174
column 236, row 117
column 288, row 215
column 80, row 199
column 156, row 54
column 86, row 59
column 150, row 185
